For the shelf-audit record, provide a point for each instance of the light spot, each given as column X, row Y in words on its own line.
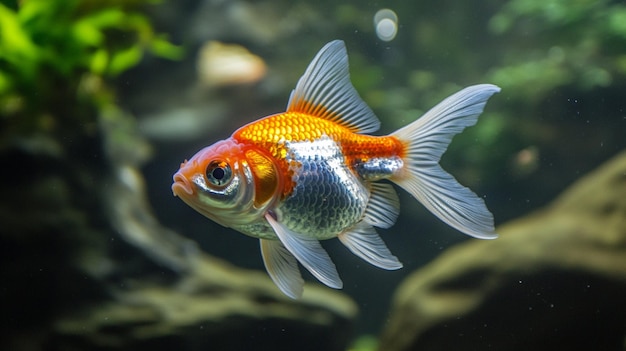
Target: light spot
column 386, row 24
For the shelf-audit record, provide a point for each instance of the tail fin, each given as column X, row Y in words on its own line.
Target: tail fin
column 427, row 139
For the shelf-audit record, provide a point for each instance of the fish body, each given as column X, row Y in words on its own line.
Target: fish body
column 325, row 169
column 313, row 173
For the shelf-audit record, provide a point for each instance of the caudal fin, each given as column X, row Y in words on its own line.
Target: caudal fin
column 427, row 139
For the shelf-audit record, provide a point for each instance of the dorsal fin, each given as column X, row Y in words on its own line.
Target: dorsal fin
column 325, row 91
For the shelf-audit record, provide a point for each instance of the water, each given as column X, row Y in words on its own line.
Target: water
column 560, row 115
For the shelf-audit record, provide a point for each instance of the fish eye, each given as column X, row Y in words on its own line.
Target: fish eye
column 218, row 173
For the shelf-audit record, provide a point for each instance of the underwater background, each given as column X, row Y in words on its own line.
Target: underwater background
column 101, row 100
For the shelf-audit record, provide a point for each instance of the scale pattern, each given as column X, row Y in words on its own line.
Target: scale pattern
column 320, row 160
column 273, row 134
column 327, row 197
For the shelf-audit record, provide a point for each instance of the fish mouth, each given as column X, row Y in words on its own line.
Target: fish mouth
column 181, row 186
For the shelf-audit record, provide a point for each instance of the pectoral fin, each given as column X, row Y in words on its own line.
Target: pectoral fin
column 309, row 253
column 282, row 268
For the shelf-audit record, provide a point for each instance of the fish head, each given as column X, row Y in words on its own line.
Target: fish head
column 230, row 183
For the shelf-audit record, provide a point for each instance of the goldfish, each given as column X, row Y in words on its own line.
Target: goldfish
column 315, row 172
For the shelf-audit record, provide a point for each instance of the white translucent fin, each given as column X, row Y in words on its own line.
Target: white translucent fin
column 364, row 242
column 325, row 91
column 309, row 253
column 383, row 206
column 282, row 268
column 427, row 140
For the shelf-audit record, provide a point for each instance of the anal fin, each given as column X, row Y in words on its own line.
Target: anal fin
column 364, row 242
column 383, row 207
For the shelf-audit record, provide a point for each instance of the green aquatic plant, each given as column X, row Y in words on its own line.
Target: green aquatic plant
column 364, row 343
column 560, row 43
column 56, row 57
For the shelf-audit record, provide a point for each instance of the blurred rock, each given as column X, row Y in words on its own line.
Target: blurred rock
column 221, row 64
column 554, row 280
column 179, row 124
column 219, row 307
